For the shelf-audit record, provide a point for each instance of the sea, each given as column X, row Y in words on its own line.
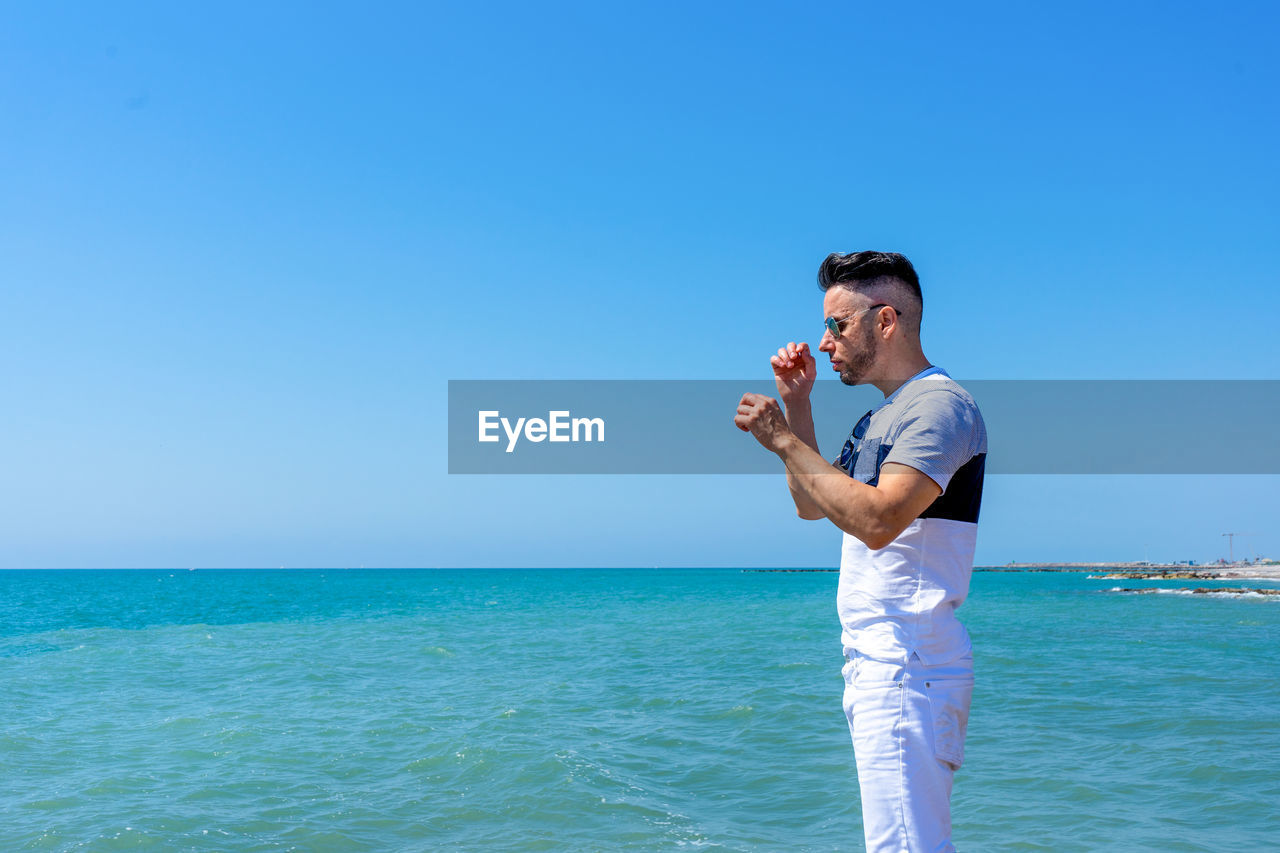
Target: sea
column 579, row 710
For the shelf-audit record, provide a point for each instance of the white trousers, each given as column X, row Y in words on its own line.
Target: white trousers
column 908, row 724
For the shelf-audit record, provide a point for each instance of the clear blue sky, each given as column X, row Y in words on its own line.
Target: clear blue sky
column 244, row 247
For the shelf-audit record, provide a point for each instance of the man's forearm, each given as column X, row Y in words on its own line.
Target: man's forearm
column 854, row 507
column 800, row 419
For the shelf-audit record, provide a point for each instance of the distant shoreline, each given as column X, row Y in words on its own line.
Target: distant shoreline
column 1120, row 571
column 1152, row 571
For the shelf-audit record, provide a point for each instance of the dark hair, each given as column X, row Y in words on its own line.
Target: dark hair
column 858, row 267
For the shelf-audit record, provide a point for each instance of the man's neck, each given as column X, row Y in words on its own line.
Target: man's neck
column 898, row 375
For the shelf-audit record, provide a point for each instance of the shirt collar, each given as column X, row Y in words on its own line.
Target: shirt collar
column 928, row 371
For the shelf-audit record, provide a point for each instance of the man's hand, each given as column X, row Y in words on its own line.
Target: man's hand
column 763, row 418
column 794, row 370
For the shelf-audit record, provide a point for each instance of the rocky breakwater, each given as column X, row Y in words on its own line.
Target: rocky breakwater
column 1163, row 574
column 1234, row 591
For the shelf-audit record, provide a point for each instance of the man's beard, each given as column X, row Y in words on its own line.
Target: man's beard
column 856, row 367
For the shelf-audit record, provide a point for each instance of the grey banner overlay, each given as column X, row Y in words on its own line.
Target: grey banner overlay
column 1034, row 426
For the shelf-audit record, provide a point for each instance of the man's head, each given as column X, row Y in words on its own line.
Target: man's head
column 875, row 299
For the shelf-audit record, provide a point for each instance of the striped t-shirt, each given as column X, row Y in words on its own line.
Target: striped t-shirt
column 901, row 599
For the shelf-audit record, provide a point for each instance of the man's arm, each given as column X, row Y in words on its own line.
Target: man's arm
column 794, row 371
column 874, row 514
column 800, row 419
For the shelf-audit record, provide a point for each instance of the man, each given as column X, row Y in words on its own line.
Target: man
column 906, row 491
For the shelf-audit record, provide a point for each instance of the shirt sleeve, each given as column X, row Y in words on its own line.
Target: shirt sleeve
column 937, row 432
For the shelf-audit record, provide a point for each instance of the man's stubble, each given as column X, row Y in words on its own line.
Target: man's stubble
column 857, row 364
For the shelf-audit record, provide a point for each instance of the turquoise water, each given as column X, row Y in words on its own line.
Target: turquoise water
column 604, row 710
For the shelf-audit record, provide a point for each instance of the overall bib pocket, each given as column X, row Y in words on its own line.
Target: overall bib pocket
column 866, row 461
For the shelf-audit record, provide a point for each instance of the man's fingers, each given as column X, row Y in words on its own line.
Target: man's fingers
column 791, row 356
column 746, row 412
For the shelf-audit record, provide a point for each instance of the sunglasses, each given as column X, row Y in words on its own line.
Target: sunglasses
column 835, row 325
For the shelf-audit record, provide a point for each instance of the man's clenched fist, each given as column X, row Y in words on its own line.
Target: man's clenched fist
column 763, row 418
